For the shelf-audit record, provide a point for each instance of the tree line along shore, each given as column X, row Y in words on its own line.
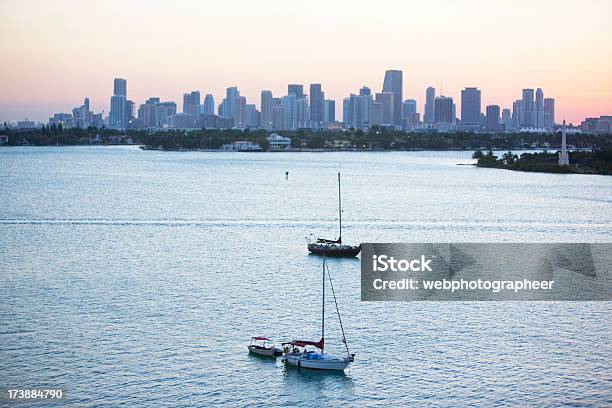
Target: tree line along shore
column 353, row 139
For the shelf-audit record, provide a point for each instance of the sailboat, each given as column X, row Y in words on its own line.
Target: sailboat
column 303, row 353
column 334, row 248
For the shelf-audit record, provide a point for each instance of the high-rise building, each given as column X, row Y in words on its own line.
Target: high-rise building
column 296, row 89
column 146, row 113
column 492, row 118
column 517, row 114
column 120, row 87
column 386, row 99
column 233, row 106
column 191, row 105
column 409, row 107
column 118, row 110
column 266, row 109
column 317, row 96
column 549, row 113
column 539, row 109
column 376, row 113
column 430, row 108
column 329, row 111
column 209, row 105
column 118, row 115
column 470, row 107
column 346, row 112
column 506, row 119
column 443, row 110
column 302, row 113
column 289, row 104
column 164, row 112
column 528, row 108
column 393, row 83
column 251, row 116
column 278, row 115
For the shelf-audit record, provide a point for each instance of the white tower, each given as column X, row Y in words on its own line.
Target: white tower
column 563, row 155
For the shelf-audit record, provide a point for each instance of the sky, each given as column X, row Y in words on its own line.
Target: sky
column 55, row 53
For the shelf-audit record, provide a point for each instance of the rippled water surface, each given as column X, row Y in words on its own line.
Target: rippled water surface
column 136, row 278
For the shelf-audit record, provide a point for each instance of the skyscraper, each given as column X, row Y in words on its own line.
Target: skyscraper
column 302, row 113
column 393, row 83
column 470, row 107
column 289, row 112
column 117, row 117
column 266, row 109
column 386, row 99
column 409, row 107
column 492, row 118
column 429, row 111
column 506, row 119
column 120, row 87
column 317, row 96
column 209, row 105
column 549, row 113
column 443, row 108
column 297, row 89
column 329, row 111
column 539, row 109
column 528, row 111
column 191, row 105
column 517, row 114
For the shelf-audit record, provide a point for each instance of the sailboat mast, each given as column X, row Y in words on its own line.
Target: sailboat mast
column 339, row 209
column 323, row 310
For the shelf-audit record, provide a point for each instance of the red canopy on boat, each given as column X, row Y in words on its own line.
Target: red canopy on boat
column 304, row 343
column 261, row 338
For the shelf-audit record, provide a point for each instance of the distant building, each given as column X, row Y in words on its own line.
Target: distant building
column 443, row 111
column 429, row 111
column 517, row 114
column 120, row 86
column 251, row 116
column 164, row 111
column 82, row 117
column 241, row 146
column 528, row 109
column 118, row 116
column 393, row 83
column 191, row 105
column 278, row 142
column 470, row 108
column 296, row 89
column 386, row 99
column 147, row 113
column 317, row 96
column 492, row 118
column 209, row 105
column 602, row 124
column 329, row 111
column 538, row 110
column 549, row 113
column 409, row 107
column 506, row 119
column 4, row 139
column 266, row 109
column 26, row 124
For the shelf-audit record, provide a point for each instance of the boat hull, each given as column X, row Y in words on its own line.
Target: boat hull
column 336, row 251
column 267, row 352
column 323, row 364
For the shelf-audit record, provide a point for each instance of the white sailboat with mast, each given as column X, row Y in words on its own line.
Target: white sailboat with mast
column 303, row 353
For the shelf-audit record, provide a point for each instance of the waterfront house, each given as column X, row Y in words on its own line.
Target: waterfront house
column 242, row 146
column 3, row 139
column 278, row 142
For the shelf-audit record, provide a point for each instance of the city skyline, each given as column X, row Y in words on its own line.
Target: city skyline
column 500, row 48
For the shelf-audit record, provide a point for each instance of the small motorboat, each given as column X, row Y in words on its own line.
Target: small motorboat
column 262, row 346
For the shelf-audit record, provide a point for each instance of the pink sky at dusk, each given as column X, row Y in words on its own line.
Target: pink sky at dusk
column 55, row 53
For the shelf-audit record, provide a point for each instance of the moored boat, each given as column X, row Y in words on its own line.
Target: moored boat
column 334, row 248
column 310, row 354
column 262, row 346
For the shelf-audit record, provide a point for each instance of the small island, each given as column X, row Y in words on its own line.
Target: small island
column 598, row 161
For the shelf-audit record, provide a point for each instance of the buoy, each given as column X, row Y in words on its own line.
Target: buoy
column 286, row 175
